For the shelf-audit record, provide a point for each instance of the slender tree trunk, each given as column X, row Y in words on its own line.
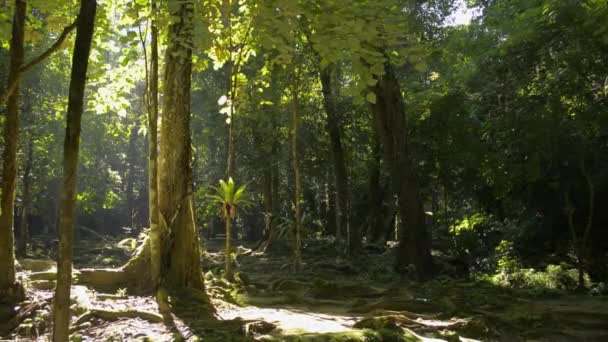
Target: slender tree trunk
column 330, row 218
column 580, row 243
column 9, row 157
column 228, row 258
column 180, row 255
column 268, row 200
column 132, row 158
column 155, row 233
column 391, row 124
column 329, row 80
column 24, row 234
column 296, row 170
column 80, row 62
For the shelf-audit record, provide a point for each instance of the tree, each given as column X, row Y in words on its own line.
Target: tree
column 152, row 102
column 180, row 256
column 9, row 157
column 80, row 62
column 330, row 86
column 230, row 198
column 392, row 127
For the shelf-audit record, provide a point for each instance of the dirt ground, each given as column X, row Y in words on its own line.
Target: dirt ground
column 332, row 299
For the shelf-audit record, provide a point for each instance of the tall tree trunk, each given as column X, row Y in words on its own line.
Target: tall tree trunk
column 155, row 233
column 131, row 176
column 180, row 255
column 9, row 157
column 80, row 62
column 296, row 170
column 329, row 80
column 268, row 200
column 392, row 128
column 377, row 229
column 24, row 234
column 330, row 218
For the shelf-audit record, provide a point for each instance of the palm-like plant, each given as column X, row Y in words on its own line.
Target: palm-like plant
column 230, row 198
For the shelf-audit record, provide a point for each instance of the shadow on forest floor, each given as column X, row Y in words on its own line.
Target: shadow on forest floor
column 332, row 299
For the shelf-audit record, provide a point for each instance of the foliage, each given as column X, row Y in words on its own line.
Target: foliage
column 553, row 278
column 230, row 198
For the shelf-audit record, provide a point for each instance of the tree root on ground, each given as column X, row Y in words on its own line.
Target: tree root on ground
column 134, row 275
column 113, row 315
column 402, row 321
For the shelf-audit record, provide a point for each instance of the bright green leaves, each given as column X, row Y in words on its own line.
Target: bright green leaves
column 230, row 197
column 371, row 97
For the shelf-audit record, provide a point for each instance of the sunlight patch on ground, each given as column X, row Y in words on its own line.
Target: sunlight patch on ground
column 294, row 320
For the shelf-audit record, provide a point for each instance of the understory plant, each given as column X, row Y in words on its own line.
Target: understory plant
column 230, row 198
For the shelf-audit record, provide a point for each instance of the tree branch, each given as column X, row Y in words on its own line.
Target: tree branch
column 13, row 85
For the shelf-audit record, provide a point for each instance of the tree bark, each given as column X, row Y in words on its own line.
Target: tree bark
column 329, row 85
column 268, row 200
column 377, row 227
column 23, row 222
column 131, row 176
column 296, row 170
column 80, row 62
column 392, row 128
column 180, row 255
column 9, row 157
column 155, row 233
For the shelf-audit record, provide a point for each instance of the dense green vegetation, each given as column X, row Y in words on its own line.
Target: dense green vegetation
column 364, row 149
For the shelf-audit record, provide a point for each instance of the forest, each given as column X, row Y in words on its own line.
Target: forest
column 304, row 170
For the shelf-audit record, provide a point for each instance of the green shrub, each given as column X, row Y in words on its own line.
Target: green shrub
column 553, row 278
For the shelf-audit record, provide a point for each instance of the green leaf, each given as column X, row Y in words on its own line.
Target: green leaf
column 371, row 97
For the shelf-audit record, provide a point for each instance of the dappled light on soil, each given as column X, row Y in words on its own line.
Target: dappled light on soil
column 294, row 320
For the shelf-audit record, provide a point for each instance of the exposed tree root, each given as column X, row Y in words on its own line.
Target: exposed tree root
column 134, row 275
column 402, row 321
column 112, row 315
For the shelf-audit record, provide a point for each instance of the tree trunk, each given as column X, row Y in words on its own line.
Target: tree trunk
column 296, row 170
column 228, row 258
column 80, row 61
column 268, row 200
column 330, row 218
column 155, row 233
column 329, row 80
column 180, row 255
column 23, row 223
column 377, row 229
column 9, row 157
column 391, row 125
column 131, row 177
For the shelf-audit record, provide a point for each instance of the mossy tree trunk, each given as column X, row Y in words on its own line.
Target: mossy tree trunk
column 392, row 128
column 80, row 62
column 155, row 234
column 9, row 157
column 180, row 255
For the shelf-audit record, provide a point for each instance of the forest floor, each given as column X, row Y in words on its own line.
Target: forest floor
column 331, row 299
